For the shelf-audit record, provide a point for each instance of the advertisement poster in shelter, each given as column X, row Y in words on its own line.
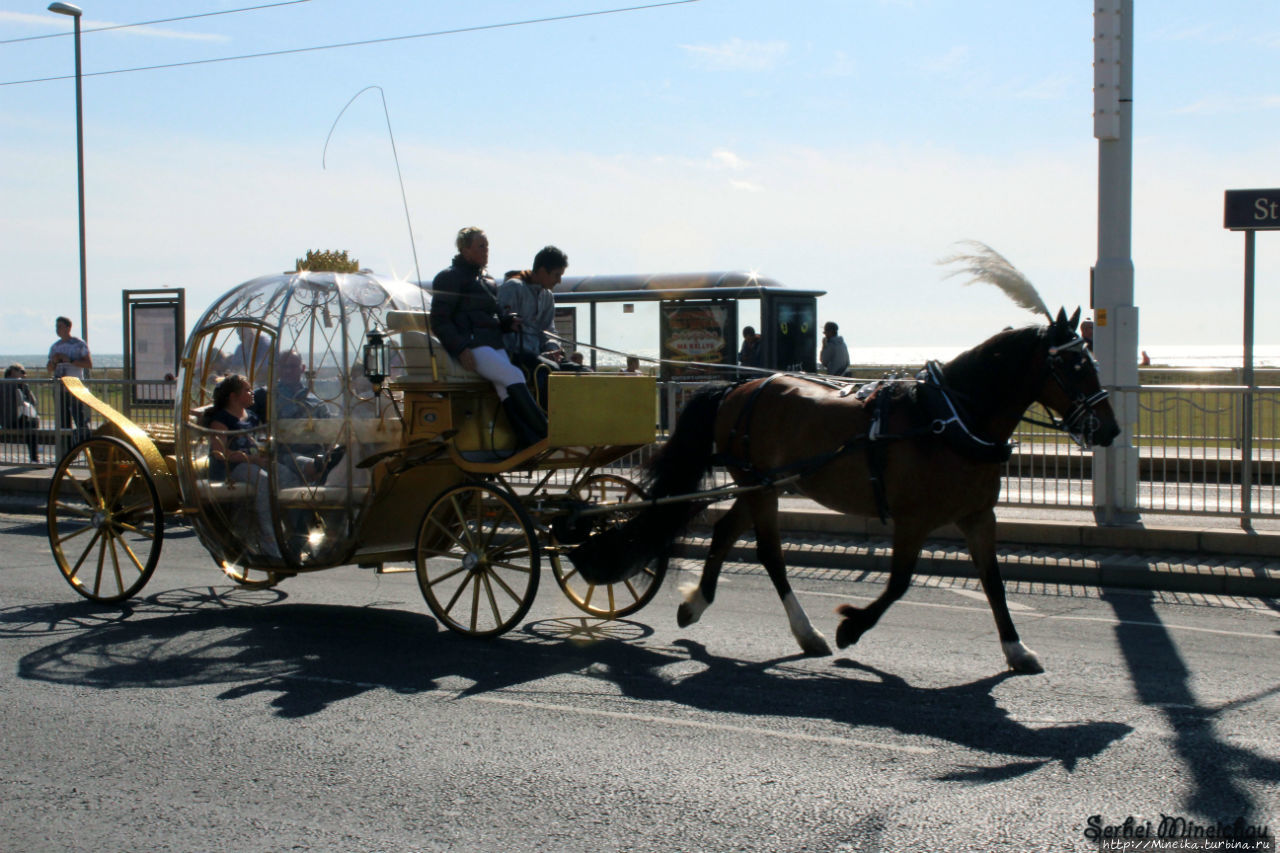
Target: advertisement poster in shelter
column 566, row 325
column 702, row 332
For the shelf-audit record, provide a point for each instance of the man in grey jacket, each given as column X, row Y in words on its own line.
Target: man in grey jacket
column 835, row 355
column 527, row 294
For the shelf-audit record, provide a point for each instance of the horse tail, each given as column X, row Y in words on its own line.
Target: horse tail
column 677, row 469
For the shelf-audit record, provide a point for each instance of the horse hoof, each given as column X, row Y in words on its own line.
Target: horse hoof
column 848, row 633
column 1022, row 659
column 815, row 646
column 693, row 606
column 1028, row 665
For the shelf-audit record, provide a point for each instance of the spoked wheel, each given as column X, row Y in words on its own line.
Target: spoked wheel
column 105, row 522
column 478, row 559
column 614, row 600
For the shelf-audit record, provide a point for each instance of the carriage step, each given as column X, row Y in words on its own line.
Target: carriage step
column 385, row 569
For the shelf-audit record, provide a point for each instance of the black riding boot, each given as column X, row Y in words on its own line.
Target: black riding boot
column 528, row 421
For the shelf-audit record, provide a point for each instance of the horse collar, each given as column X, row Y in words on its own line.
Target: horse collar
column 949, row 422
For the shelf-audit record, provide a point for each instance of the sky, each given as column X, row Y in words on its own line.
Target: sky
column 840, row 145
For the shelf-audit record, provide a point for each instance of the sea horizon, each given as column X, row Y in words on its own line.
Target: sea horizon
column 1222, row 356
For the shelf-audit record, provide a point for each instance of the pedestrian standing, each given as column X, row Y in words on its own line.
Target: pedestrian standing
column 69, row 356
column 835, row 355
column 752, row 352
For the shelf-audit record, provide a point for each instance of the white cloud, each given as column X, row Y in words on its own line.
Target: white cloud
column 1230, row 104
column 727, row 159
column 51, row 22
column 737, row 55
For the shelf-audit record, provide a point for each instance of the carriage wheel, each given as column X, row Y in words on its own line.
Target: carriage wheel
column 478, row 559
column 615, row 600
column 105, row 523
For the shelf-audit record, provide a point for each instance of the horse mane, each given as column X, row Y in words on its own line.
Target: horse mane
column 994, row 367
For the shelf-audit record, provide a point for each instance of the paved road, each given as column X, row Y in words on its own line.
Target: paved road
column 332, row 714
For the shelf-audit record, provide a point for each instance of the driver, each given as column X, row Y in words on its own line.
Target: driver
column 467, row 318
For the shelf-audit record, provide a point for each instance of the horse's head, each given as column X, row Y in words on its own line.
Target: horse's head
column 1071, row 389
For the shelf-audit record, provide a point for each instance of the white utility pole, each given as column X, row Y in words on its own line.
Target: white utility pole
column 1115, row 329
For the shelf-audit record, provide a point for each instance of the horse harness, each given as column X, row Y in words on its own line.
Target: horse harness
column 940, row 409
column 943, row 416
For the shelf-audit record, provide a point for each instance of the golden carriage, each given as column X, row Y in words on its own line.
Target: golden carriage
column 430, row 475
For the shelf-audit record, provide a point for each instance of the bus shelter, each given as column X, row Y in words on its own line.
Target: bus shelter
column 698, row 315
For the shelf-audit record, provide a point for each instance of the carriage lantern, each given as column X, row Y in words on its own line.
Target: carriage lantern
column 376, row 359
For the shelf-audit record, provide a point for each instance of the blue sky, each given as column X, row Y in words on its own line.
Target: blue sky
column 835, row 145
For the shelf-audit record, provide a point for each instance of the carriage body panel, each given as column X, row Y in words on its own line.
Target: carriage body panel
column 586, row 409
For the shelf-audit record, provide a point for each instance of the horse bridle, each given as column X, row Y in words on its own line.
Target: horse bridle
column 1081, row 421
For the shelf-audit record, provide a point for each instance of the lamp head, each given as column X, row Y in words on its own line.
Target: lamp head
column 376, row 359
column 65, row 9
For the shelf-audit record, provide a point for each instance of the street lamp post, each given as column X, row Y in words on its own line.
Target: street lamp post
column 74, row 12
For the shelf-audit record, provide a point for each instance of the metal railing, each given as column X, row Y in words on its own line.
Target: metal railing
column 143, row 402
column 1192, row 455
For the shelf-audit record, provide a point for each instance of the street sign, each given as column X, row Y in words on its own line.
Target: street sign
column 1252, row 210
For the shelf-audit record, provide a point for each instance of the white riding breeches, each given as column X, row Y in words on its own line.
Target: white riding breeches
column 494, row 365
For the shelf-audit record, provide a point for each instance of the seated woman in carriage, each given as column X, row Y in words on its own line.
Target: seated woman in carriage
column 237, row 457
column 466, row 317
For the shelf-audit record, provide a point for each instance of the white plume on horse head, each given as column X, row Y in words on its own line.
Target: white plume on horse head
column 985, row 264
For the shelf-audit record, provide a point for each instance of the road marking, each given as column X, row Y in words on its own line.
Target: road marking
column 1166, row 625
column 443, row 693
column 982, row 596
column 1106, row 620
column 699, row 724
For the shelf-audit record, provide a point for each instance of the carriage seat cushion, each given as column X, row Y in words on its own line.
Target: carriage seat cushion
column 416, row 349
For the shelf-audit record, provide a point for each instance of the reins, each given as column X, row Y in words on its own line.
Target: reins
column 1083, row 405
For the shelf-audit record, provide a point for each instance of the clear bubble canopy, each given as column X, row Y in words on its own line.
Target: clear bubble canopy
column 298, row 340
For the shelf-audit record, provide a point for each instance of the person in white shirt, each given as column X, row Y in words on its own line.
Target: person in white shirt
column 69, row 356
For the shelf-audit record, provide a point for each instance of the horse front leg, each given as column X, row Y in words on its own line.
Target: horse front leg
column 698, row 597
column 980, row 534
column 856, row 621
column 764, row 509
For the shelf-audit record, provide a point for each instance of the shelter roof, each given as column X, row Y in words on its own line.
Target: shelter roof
column 656, row 286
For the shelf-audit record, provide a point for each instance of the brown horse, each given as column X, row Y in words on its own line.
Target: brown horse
column 924, row 453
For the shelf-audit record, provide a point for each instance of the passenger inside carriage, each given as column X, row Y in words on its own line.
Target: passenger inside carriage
column 235, row 455
column 469, row 321
column 293, row 400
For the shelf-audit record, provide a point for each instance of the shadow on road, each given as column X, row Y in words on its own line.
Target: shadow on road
column 308, row 657
column 40, row 529
column 1162, row 680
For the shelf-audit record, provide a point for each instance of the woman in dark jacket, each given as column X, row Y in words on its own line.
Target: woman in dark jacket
column 11, row 414
column 466, row 317
column 234, row 453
